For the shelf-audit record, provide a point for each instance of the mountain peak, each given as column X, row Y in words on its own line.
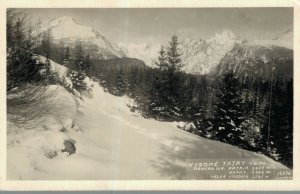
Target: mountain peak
column 69, row 30
column 58, row 21
column 224, row 36
column 65, row 19
column 67, row 27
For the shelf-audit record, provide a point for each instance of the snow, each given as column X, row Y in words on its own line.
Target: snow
column 59, row 69
column 199, row 56
column 202, row 56
column 70, row 28
column 113, row 144
column 147, row 52
column 67, row 29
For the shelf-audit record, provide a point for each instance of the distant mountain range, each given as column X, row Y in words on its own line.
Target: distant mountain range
column 209, row 56
column 221, row 52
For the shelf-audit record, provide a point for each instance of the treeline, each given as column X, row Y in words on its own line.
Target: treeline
column 249, row 112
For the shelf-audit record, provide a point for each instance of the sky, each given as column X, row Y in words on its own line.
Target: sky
column 158, row 24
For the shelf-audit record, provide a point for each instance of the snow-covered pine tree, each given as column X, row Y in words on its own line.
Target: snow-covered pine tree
column 102, row 81
column 45, row 50
column 132, row 83
column 61, row 50
column 79, row 59
column 158, row 93
column 121, row 83
column 87, row 62
column 229, row 116
column 22, row 67
column 77, row 77
column 200, row 106
column 66, row 59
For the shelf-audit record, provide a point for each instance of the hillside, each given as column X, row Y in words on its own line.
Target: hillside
column 248, row 59
column 111, row 142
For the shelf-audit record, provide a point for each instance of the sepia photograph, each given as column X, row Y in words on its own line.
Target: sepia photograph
column 149, row 93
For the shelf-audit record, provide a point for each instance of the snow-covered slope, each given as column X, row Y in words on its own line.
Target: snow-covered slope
column 67, row 29
column 111, row 143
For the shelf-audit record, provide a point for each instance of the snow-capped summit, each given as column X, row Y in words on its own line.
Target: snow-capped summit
column 147, row 52
column 224, row 37
column 68, row 29
column 201, row 56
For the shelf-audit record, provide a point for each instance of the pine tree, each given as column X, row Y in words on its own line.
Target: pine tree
column 61, row 50
column 46, row 51
column 29, row 42
column 46, row 43
column 199, row 107
column 165, row 87
column 19, row 35
column 121, row 83
column 87, row 62
column 162, row 59
column 22, row 67
column 79, row 59
column 78, row 77
column 9, row 30
column 66, row 59
column 158, row 105
column 228, row 116
column 172, row 84
column 173, row 55
column 133, row 80
column 158, row 93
